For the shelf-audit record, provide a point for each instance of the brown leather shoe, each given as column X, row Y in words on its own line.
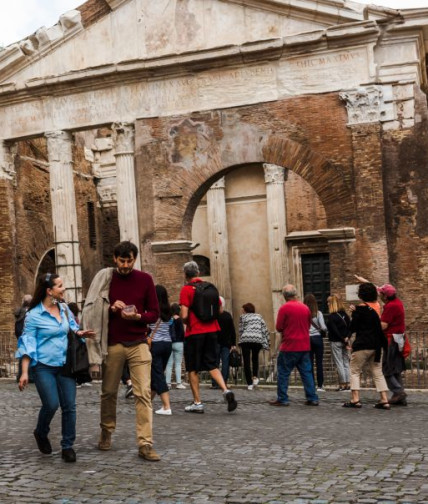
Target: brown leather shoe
column 105, row 440
column 147, row 452
column 277, row 403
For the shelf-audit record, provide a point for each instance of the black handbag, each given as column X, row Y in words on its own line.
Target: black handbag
column 77, row 361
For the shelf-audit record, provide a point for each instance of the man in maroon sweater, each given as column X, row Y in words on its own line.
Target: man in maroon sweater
column 120, row 303
column 293, row 322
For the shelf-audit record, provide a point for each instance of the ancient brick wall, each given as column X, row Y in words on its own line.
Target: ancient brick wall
column 406, row 201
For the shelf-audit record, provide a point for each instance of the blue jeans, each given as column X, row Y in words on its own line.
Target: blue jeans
column 287, row 361
column 56, row 390
column 223, row 354
column 175, row 360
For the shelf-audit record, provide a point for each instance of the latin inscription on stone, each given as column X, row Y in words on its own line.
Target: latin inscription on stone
column 219, row 88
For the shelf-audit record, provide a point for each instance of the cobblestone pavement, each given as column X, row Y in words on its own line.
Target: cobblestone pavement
column 258, row 454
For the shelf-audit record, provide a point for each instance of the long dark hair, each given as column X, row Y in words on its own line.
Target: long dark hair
column 45, row 281
column 164, row 306
column 311, row 302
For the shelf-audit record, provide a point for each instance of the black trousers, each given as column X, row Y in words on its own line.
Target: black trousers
column 250, row 355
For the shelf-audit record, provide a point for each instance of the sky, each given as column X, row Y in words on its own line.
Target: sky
column 20, row 18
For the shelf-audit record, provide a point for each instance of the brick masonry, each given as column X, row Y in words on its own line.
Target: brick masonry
column 363, row 177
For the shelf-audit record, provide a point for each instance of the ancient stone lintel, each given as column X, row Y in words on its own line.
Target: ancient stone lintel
column 123, row 137
column 345, row 233
column 173, row 247
column 363, row 104
column 274, row 174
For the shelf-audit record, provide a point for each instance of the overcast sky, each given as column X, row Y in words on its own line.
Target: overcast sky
column 20, row 18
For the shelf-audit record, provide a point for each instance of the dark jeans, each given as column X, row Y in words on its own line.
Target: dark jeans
column 161, row 350
column 223, row 354
column 287, row 361
column 317, row 351
column 56, row 390
column 250, row 355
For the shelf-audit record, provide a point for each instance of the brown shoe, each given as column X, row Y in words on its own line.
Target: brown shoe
column 105, row 440
column 147, row 452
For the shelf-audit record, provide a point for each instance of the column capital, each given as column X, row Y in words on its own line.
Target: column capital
column 220, row 184
column 274, row 174
column 7, row 170
column 123, row 137
column 363, row 104
column 59, row 146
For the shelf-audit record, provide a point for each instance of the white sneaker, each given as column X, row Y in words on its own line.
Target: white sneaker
column 180, row 386
column 320, row 389
column 255, row 381
column 163, row 412
column 87, row 384
column 250, row 387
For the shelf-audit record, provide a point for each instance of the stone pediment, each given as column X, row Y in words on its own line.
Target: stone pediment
column 138, row 30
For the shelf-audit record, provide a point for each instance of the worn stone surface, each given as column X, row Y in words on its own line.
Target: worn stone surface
column 258, row 454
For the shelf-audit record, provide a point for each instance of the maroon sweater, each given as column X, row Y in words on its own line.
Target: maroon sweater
column 137, row 289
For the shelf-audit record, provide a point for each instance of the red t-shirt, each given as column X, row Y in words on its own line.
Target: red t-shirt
column 393, row 315
column 294, row 322
column 137, row 289
column 194, row 325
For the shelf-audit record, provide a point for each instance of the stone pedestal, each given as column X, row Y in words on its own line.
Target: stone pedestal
column 123, row 137
column 218, row 240
column 277, row 230
column 64, row 215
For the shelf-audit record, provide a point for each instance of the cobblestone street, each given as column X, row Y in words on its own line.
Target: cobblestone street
column 258, row 454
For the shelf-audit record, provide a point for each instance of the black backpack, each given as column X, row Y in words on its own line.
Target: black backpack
column 206, row 301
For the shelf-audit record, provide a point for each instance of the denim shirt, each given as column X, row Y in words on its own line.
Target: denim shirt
column 44, row 339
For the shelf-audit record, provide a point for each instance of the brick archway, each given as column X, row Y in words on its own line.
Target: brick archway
column 326, row 179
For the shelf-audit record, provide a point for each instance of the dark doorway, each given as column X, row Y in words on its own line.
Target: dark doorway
column 48, row 263
column 316, row 277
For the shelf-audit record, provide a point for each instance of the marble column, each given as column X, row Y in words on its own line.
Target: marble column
column 123, row 137
column 277, row 230
column 64, row 214
column 218, row 240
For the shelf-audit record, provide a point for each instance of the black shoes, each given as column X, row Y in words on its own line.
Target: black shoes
column 311, row 403
column 43, row 444
column 69, row 455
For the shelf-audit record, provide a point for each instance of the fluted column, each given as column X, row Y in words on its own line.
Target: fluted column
column 64, row 215
column 277, row 230
column 218, row 240
column 123, row 136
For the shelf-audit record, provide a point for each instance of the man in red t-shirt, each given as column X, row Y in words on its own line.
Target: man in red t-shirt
column 293, row 322
column 121, row 301
column 200, row 344
column 393, row 323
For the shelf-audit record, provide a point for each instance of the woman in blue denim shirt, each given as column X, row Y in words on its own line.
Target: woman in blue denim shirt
column 43, row 346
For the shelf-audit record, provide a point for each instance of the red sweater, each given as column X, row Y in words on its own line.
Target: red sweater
column 137, row 289
column 294, row 322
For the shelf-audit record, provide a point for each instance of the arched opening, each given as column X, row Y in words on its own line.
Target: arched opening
column 247, row 232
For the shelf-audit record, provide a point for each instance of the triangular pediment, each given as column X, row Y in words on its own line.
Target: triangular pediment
column 137, row 30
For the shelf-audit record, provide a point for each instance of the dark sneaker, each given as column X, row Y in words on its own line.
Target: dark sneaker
column 147, row 452
column 311, row 403
column 104, row 443
column 194, row 408
column 398, row 398
column 43, row 444
column 69, row 455
column 129, row 393
column 278, row 403
column 229, row 397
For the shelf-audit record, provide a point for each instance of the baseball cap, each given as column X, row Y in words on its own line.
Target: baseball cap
column 387, row 290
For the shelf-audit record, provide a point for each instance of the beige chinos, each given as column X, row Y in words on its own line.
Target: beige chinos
column 139, row 360
column 358, row 360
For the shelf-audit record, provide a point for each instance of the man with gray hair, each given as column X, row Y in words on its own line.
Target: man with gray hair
column 200, row 349
column 293, row 322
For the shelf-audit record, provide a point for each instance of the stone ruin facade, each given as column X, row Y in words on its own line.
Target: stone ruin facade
column 249, row 133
